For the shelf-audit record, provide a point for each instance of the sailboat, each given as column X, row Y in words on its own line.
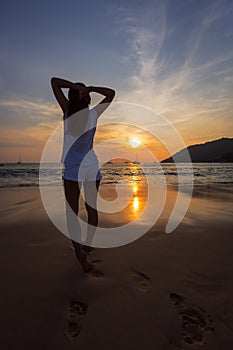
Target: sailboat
column 136, row 161
column 20, row 160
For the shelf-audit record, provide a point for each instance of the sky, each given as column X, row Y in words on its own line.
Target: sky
column 174, row 57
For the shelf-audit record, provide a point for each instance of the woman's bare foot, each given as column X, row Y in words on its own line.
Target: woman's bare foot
column 87, row 266
column 87, row 249
column 82, row 258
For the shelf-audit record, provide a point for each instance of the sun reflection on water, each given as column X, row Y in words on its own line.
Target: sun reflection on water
column 135, row 189
column 131, row 203
column 135, row 203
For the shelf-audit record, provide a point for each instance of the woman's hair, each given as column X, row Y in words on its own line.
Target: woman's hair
column 75, row 103
column 77, row 123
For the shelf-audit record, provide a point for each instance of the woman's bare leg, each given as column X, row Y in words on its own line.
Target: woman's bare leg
column 72, row 193
column 91, row 191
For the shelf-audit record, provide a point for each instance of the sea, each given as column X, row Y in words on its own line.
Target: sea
column 49, row 174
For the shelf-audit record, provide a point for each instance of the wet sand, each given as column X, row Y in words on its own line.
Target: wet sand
column 163, row 291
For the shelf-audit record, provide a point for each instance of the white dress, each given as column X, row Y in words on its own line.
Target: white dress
column 80, row 161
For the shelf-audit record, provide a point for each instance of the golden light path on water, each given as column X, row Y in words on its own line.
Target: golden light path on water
column 132, row 202
column 135, row 204
column 137, row 200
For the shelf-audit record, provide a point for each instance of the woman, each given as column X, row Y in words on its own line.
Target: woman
column 79, row 158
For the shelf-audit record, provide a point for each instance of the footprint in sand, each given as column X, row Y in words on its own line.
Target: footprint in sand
column 77, row 310
column 142, row 281
column 94, row 272
column 195, row 321
column 96, row 261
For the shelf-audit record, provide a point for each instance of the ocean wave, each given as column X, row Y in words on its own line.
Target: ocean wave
column 27, row 175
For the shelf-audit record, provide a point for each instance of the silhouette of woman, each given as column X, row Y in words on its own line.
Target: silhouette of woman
column 79, row 158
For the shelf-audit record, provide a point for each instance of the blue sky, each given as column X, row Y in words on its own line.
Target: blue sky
column 173, row 56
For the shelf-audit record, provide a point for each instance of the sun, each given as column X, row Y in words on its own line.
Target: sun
column 134, row 142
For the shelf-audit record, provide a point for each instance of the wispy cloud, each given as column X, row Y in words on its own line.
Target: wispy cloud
column 144, row 47
column 23, row 113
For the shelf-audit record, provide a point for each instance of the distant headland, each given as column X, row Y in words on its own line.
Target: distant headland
column 217, row 151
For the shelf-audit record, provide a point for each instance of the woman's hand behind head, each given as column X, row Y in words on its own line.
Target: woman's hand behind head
column 84, row 94
column 83, row 91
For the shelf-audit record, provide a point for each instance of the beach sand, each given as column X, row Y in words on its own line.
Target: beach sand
column 163, row 291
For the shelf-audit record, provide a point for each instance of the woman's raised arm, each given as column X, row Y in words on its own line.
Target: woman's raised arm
column 109, row 96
